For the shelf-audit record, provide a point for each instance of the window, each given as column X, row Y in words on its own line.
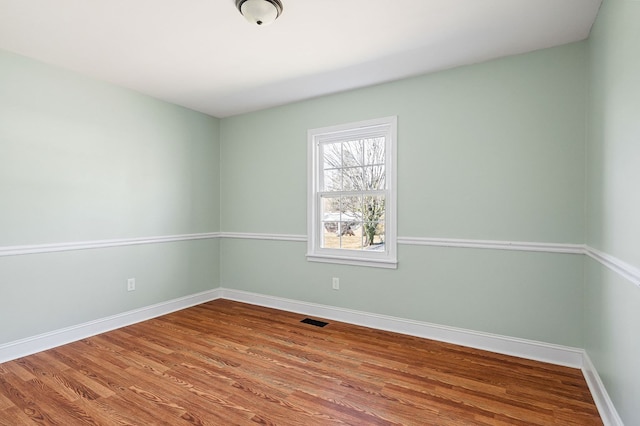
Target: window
column 352, row 194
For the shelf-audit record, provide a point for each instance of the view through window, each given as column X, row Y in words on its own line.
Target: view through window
column 352, row 193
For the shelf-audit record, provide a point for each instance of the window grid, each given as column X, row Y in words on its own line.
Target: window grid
column 351, row 202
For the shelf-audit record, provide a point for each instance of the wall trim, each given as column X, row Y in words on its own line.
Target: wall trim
column 494, row 244
column 270, row 237
column 52, row 339
column 529, row 349
column 436, row 242
column 539, row 351
column 422, row 241
column 624, row 269
column 607, row 410
column 86, row 245
column 523, row 348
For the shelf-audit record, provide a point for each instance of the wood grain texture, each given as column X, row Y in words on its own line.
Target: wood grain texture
column 229, row 363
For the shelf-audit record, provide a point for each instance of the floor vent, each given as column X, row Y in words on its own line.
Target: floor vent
column 314, row 322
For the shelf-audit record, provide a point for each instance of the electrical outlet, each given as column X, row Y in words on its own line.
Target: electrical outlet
column 131, row 284
column 335, row 283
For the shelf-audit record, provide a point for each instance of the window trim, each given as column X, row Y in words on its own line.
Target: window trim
column 360, row 129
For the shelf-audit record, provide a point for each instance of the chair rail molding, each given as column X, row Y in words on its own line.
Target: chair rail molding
column 97, row 244
column 623, row 269
column 494, row 244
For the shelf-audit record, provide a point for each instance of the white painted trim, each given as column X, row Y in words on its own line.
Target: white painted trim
column 271, row 237
column 437, row 242
column 529, row 349
column 493, row 244
column 556, row 354
column 539, row 351
column 85, row 245
column 343, row 260
column 386, row 127
column 41, row 342
column 607, row 410
column 624, row 269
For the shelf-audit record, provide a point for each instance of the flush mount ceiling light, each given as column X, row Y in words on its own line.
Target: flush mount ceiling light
column 260, row 12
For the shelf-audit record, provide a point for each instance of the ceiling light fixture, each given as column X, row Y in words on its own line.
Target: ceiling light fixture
column 260, row 12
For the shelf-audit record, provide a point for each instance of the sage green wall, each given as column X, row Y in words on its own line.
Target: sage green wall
column 612, row 309
column 82, row 160
column 491, row 151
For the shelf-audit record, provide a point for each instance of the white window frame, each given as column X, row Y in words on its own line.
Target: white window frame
column 387, row 127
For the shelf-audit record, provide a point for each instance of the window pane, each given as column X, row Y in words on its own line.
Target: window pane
column 373, row 236
column 351, row 208
column 374, row 177
column 331, row 219
column 332, row 155
column 351, row 235
column 352, row 179
column 352, row 153
column 373, row 214
column 374, row 151
column 332, row 180
column 342, row 223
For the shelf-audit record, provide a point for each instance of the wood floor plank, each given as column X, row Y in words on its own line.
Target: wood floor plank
column 14, row 416
column 15, row 390
column 229, row 363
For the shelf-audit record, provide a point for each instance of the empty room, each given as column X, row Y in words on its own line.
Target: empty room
column 420, row 212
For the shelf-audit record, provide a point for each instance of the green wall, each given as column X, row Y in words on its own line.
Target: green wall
column 493, row 151
column 612, row 308
column 82, row 160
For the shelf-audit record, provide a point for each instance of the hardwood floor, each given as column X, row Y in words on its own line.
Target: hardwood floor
column 228, row 363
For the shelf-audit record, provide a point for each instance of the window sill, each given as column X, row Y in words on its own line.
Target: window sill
column 343, row 260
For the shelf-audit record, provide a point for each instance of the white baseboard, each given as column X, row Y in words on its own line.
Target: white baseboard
column 41, row 342
column 529, row 349
column 599, row 393
column 539, row 351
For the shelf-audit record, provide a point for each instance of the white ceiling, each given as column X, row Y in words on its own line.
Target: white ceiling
column 202, row 54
